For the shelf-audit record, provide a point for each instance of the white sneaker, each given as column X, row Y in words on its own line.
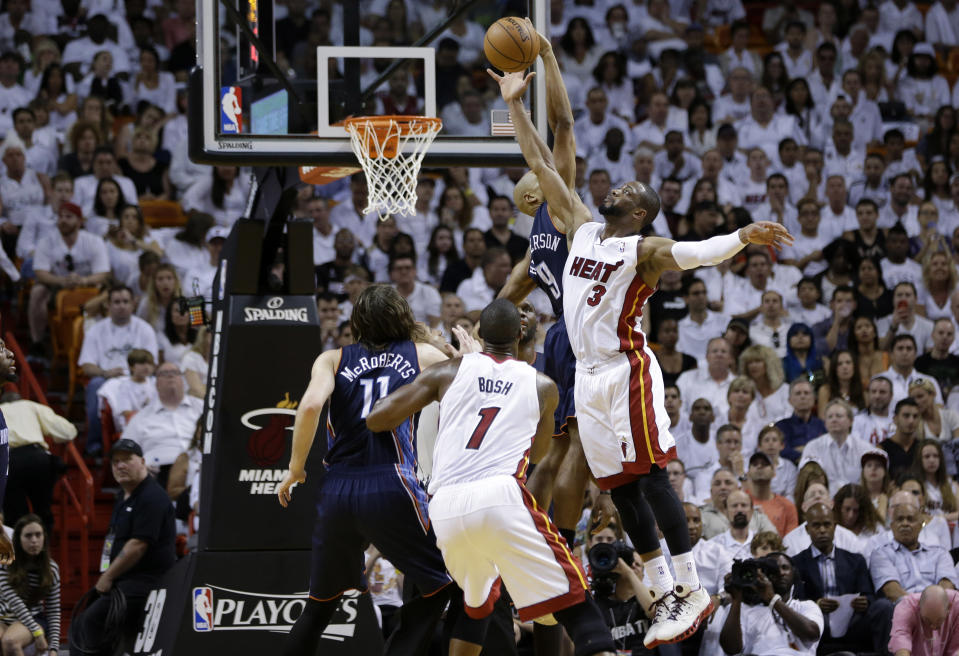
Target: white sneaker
column 658, row 614
column 677, row 615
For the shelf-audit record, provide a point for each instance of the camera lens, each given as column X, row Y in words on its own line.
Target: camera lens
column 602, row 557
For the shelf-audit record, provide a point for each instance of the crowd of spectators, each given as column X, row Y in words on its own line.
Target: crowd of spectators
column 812, row 392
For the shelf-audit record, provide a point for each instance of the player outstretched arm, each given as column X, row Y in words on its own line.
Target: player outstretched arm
column 308, row 413
column 548, row 400
column 658, row 254
column 565, row 204
column 429, row 386
column 559, row 113
column 519, row 285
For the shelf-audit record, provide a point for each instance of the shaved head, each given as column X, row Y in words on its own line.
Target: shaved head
column 629, row 199
column 818, row 511
column 500, row 323
column 527, row 194
column 934, row 607
column 903, row 498
column 649, row 201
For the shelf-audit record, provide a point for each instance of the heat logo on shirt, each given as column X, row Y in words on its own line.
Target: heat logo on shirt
column 583, row 267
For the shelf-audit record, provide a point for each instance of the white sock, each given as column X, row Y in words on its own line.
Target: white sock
column 658, row 572
column 685, row 568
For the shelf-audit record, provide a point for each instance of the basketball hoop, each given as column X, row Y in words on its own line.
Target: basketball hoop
column 390, row 150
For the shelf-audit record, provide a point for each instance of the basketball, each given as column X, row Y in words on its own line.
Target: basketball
column 510, row 46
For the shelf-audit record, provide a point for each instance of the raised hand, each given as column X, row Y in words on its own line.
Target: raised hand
column 467, row 343
column 544, row 45
column 766, row 233
column 511, row 85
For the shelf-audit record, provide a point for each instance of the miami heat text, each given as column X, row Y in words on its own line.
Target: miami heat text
column 583, row 267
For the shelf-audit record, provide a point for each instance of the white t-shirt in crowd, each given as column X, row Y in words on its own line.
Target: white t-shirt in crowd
column 88, row 255
column 424, row 301
column 85, row 191
column 107, row 344
column 162, row 433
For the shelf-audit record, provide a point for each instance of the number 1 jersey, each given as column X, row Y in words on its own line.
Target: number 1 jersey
column 488, row 419
column 362, row 378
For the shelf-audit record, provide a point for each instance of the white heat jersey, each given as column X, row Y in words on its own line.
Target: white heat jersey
column 488, row 419
column 603, row 295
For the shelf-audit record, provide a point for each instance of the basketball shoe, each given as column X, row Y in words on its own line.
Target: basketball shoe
column 677, row 614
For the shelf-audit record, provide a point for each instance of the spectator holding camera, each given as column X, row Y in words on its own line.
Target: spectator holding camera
column 772, row 622
column 828, row 572
column 620, row 593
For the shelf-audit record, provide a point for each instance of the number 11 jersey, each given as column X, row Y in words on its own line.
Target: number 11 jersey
column 362, row 378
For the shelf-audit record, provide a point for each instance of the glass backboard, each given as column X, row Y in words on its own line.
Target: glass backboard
column 275, row 80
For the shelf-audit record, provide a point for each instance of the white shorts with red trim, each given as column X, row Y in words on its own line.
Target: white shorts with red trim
column 622, row 417
column 492, row 529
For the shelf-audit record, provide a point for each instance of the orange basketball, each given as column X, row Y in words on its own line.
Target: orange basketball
column 510, row 46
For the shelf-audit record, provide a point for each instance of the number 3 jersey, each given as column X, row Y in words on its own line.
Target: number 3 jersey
column 603, row 295
column 362, row 378
column 488, row 419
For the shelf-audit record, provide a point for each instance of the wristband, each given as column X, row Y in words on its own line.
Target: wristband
column 38, row 633
column 606, row 493
column 772, row 602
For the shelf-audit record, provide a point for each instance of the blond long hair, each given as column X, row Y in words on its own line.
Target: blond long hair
column 953, row 274
column 774, row 366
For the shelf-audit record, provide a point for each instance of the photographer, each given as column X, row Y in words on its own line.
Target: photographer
column 772, row 622
column 619, row 592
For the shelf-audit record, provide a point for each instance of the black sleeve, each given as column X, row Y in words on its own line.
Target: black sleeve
column 802, row 568
column 452, row 278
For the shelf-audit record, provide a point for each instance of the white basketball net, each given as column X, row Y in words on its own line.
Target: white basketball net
column 390, row 152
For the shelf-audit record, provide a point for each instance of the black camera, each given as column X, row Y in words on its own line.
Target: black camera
column 745, row 578
column 603, row 556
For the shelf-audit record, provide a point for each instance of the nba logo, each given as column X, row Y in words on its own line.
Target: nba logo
column 202, row 609
column 231, row 110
